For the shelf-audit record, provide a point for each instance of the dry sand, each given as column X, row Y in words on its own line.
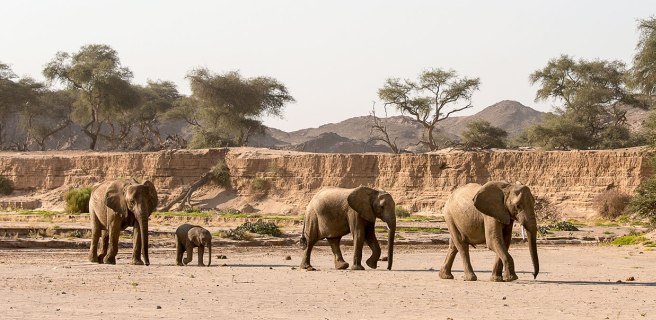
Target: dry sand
column 576, row 282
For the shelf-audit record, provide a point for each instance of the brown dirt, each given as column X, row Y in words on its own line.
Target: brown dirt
column 576, row 282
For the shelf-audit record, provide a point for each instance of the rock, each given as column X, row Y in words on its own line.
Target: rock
column 630, row 279
column 383, row 259
column 221, row 257
column 159, row 307
column 288, row 258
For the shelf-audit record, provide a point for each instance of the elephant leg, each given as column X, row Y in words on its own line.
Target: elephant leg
column 372, row 242
column 104, row 244
column 179, row 251
column 445, row 271
column 358, row 243
column 190, row 253
column 95, row 236
column 201, row 250
column 136, row 246
column 340, row 264
column 463, row 248
column 305, row 263
column 504, row 260
column 114, row 231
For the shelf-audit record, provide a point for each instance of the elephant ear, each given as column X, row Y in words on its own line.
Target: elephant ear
column 115, row 199
column 360, row 200
column 490, row 200
column 151, row 195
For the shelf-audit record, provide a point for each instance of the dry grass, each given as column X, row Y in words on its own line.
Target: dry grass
column 611, row 203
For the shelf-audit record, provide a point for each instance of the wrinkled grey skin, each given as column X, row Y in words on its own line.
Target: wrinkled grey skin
column 188, row 237
column 335, row 212
column 478, row 214
column 114, row 206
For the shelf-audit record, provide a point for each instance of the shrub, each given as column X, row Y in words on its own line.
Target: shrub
column 237, row 234
column 401, row 212
column 629, row 240
column 260, row 227
column 644, row 201
column 545, row 210
column 611, row 203
column 221, row 173
column 259, row 185
column 77, row 200
column 6, row 186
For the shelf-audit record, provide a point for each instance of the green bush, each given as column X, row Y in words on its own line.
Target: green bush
column 260, row 227
column 77, row 200
column 401, row 212
column 629, row 240
column 221, row 173
column 259, row 185
column 644, row 201
column 6, row 186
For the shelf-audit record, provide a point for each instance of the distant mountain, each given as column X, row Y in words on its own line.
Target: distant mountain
column 354, row 134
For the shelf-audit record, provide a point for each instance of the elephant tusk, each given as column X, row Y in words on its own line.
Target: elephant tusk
column 523, row 234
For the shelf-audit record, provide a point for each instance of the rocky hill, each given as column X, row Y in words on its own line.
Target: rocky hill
column 511, row 116
column 275, row 181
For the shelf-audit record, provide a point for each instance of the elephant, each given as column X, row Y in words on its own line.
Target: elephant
column 334, row 212
column 478, row 214
column 114, row 206
column 187, row 237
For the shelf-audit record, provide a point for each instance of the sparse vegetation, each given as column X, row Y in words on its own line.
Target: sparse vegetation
column 481, row 134
column 6, row 186
column 259, row 227
column 77, row 200
column 545, row 211
column 259, row 185
column 630, row 239
column 402, row 212
column 221, row 173
column 237, row 234
column 190, row 213
column 611, row 203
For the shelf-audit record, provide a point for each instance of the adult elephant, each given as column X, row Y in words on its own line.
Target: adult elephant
column 478, row 214
column 114, row 206
column 334, row 212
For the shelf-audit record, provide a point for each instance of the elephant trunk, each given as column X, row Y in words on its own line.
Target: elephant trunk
column 143, row 229
column 391, row 226
column 209, row 250
column 532, row 230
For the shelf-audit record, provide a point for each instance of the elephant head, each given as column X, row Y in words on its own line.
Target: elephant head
column 131, row 199
column 371, row 204
column 506, row 202
column 201, row 237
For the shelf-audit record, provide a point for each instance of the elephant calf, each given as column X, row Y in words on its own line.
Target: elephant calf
column 187, row 237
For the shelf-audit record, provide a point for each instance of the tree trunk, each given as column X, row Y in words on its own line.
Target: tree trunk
column 185, row 197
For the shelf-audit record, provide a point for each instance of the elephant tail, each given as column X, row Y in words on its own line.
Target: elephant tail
column 303, row 238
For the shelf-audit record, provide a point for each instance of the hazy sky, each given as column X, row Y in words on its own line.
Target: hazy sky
column 332, row 55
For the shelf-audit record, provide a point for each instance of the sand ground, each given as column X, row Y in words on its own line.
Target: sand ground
column 575, row 282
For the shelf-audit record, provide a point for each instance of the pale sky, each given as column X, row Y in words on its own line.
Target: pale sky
column 332, row 55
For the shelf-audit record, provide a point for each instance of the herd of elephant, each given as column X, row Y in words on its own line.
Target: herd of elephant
column 474, row 214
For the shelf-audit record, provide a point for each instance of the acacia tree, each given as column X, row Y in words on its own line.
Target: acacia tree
column 591, row 96
column 11, row 96
column 481, row 134
column 104, row 88
column 224, row 109
column 435, row 96
column 48, row 115
column 644, row 62
column 379, row 131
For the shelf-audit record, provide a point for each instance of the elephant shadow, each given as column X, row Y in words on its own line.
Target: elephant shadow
column 598, row 283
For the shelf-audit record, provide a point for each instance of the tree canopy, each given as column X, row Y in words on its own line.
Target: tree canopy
column 433, row 97
column 644, row 61
column 224, row 109
column 481, row 134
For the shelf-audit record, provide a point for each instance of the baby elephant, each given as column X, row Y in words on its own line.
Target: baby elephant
column 187, row 237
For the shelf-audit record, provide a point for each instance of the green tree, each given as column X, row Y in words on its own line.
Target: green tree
column 435, row 96
column 224, row 109
column 481, row 134
column 591, row 96
column 105, row 92
column 644, row 62
column 157, row 98
column 12, row 96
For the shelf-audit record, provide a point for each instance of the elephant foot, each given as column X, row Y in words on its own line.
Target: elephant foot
column 372, row 262
column 445, row 275
column 137, row 262
column 470, row 277
column 200, row 264
column 357, row 267
column 93, row 258
column 180, row 263
column 512, row 277
column 109, row 260
column 341, row 265
column 185, row 261
column 496, row 278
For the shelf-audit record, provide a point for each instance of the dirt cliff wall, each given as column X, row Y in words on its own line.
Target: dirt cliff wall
column 419, row 182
